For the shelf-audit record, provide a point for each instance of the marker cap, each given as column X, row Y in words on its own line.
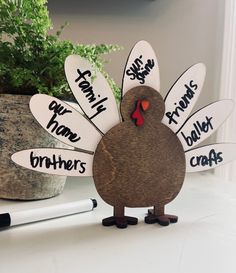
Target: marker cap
column 5, row 220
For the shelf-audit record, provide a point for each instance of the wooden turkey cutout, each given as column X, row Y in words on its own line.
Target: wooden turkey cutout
column 140, row 161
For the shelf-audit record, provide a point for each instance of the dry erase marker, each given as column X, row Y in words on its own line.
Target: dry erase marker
column 40, row 214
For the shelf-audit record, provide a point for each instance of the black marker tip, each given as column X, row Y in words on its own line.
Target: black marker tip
column 95, row 203
column 5, row 220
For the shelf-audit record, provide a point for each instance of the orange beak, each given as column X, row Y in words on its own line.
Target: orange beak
column 145, row 104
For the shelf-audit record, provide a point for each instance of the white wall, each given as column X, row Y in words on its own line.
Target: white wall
column 182, row 32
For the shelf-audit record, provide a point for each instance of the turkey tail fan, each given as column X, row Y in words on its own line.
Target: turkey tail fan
column 204, row 123
column 64, row 123
column 92, row 92
column 141, row 68
column 183, row 95
column 209, row 156
column 55, row 161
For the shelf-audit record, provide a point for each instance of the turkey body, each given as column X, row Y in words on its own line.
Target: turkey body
column 139, row 166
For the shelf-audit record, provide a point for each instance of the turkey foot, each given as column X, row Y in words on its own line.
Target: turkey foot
column 120, row 222
column 158, row 216
column 119, row 219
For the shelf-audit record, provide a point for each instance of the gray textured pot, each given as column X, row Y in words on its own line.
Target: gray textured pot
column 18, row 131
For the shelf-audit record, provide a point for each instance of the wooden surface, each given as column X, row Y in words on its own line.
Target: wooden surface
column 202, row 240
column 139, row 166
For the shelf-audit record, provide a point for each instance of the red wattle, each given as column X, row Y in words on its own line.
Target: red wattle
column 137, row 115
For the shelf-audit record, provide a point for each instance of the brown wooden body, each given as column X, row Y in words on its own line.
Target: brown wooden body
column 139, row 166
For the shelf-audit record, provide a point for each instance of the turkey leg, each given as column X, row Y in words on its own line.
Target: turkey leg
column 157, row 215
column 119, row 219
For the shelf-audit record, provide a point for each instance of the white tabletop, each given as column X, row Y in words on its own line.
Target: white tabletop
column 204, row 239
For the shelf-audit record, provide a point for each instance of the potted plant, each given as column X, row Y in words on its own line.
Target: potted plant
column 32, row 61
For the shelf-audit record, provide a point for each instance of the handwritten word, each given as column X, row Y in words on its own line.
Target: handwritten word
column 87, row 89
column 183, row 103
column 62, row 130
column 56, row 163
column 139, row 70
column 57, row 108
column 196, row 133
column 205, row 160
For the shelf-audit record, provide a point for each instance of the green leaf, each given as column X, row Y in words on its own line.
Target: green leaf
column 33, row 60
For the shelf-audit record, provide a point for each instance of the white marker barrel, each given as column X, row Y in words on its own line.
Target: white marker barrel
column 40, row 214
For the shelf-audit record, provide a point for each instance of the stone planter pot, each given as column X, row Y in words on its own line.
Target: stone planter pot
column 18, row 131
